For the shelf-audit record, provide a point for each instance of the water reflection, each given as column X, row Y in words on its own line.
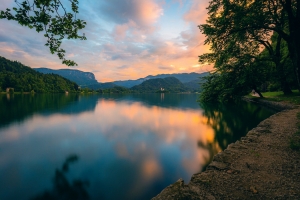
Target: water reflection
column 131, row 147
column 16, row 108
column 63, row 189
column 24, row 106
column 228, row 124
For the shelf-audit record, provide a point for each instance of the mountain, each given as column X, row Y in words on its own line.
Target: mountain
column 79, row 77
column 170, row 84
column 87, row 79
column 98, row 86
column 194, row 85
column 182, row 77
column 15, row 75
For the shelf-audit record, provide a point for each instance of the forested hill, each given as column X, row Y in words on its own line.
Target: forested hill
column 79, row 77
column 170, row 84
column 182, row 77
column 15, row 75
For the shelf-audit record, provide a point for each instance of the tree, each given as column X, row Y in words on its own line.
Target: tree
column 240, row 30
column 52, row 17
column 292, row 8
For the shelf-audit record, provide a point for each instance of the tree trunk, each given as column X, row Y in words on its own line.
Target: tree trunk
column 294, row 29
column 286, row 89
column 280, row 68
column 257, row 91
column 297, row 58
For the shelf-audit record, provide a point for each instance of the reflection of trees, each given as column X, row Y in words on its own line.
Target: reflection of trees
column 230, row 122
column 185, row 101
column 62, row 188
column 212, row 148
column 19, row 107
column 16, row 108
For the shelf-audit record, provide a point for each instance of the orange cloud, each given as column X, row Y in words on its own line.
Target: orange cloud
column 132, row 47
column 148, row 11
column 198, row 12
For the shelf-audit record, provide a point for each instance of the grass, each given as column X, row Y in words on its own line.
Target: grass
column 279, row 96
column 293, row 98
column 295, row 139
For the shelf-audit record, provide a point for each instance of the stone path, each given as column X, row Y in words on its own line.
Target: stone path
column 259, row 166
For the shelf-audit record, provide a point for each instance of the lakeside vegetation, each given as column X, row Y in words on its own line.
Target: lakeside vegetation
column 254, row 47
column 279, row 96
column 21, row 78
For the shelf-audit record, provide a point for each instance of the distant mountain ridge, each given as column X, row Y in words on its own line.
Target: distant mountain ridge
column 182, row 77
column 168, row 84
column 77, row 76
column 87, row 79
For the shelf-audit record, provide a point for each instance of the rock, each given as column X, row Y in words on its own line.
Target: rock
column 248, row 166
column 217, row 165
column 253, row 190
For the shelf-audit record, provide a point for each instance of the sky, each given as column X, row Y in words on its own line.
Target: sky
column 126, row 39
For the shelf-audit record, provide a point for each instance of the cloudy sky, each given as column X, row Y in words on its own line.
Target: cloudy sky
column 127, row 39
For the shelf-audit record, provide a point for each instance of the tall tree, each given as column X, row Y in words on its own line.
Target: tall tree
column 52, row 17
column 248, row 25
column 292, row 8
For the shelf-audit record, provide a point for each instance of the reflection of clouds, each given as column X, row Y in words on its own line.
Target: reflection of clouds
column 167, row 123
column 121, row 121
column 148, row 139
column 172, row 127
column 121, row 150
column 151, row 168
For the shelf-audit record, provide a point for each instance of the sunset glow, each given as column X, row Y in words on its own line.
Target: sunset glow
column 126, row 39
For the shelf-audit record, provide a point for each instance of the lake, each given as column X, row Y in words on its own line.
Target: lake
column 111, row 146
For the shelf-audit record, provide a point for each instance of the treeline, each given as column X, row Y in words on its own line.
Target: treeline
column 115, row 90
column 15, row 75
column 170, row 84
column 255, row 47
column 156, row 85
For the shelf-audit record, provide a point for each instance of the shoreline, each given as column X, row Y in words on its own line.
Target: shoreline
column 260, row 165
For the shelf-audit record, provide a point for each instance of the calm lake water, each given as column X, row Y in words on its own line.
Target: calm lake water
column 123, row 146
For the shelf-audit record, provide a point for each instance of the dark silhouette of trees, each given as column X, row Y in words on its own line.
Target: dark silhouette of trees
column 239, row 31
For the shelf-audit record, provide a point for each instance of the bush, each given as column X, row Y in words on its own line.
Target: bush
column 274, row 87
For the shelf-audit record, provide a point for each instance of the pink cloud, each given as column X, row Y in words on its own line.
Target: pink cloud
column 148, row 11
column 198, row 12
column 133, row 39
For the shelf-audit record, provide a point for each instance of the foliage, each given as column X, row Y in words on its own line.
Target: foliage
column 101, row 86
column 52, row 17
column 230, row 85
column 115, row 90
column 293, row 98
column 195, row 85
column 24, row 79
column 170, row 84
column 238, row 32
